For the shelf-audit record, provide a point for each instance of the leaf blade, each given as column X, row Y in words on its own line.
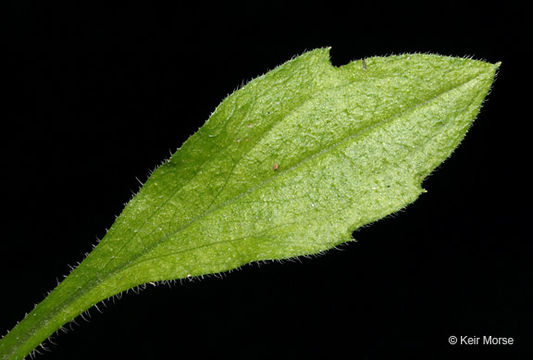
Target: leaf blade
column 288, row 165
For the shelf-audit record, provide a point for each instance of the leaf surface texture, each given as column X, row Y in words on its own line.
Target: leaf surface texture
column 290, row 164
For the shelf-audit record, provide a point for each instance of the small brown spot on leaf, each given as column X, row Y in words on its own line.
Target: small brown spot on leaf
column 275, row 167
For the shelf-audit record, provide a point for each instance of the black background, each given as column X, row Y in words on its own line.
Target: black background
column 102, row 93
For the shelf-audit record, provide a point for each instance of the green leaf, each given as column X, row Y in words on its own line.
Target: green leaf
column 291, row 164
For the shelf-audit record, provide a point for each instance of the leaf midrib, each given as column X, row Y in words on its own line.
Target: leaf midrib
column 101, row 279
column 193, row 248
column 325, row 150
